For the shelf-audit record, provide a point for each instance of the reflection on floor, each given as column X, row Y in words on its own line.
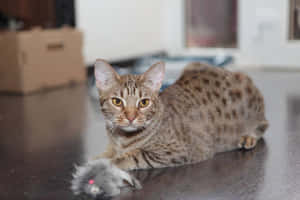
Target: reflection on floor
column 43, row 135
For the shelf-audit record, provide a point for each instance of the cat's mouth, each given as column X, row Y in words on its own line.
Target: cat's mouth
column 132, row 127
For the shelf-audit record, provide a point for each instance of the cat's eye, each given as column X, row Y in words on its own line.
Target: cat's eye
column 144, row 103
column 117, row 102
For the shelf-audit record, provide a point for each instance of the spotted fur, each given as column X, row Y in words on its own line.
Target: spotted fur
column 206, row 111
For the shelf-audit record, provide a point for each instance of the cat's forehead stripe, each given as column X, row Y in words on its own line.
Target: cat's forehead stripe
column 130, row 86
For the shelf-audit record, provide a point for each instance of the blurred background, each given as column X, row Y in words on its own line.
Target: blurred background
column 233, row 33
column 236, row 33
column 49, row 110
column 177, row 26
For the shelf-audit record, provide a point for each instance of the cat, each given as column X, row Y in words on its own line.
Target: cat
column 206, row 111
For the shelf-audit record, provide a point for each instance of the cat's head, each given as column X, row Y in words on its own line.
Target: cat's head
column 129, row 102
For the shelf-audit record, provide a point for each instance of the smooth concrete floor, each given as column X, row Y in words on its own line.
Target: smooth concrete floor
column 45, row 134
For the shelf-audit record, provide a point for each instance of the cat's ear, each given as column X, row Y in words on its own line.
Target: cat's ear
column 105, row 75
column 154, row 76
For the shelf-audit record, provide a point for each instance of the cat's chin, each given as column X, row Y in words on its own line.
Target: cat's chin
column 129, row 129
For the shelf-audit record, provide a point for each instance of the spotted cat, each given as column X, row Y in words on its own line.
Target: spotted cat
column 206, row 111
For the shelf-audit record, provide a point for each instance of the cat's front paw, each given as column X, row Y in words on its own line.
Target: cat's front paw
column 101, row 178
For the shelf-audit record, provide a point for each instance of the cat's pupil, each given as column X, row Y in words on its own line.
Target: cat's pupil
column 117, row 101
column 144, row 102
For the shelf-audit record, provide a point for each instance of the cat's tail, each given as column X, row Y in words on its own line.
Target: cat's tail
column 261, row 128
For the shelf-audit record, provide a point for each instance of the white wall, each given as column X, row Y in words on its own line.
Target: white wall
column 263, row 33
column 118, row 29
column 173, row 25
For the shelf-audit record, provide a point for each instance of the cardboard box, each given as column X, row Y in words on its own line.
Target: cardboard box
column 37, row 59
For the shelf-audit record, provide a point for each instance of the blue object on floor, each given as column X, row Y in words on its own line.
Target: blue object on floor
column 211, row 60
column 219, row 61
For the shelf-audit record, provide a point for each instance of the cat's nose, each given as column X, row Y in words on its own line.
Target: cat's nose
column 130, row 115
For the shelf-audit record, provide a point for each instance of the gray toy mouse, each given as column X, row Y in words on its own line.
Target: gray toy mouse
column 99, row 178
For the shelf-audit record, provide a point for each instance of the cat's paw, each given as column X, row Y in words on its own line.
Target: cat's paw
column 101, row 178
column 247, row 142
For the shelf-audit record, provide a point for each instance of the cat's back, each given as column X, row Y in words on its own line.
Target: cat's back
column 212, row 94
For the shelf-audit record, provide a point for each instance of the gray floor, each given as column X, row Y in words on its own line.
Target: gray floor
column 43, row 135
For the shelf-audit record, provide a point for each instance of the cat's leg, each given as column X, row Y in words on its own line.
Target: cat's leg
column 136, row 159
column 249, row 141
column 109, row 175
